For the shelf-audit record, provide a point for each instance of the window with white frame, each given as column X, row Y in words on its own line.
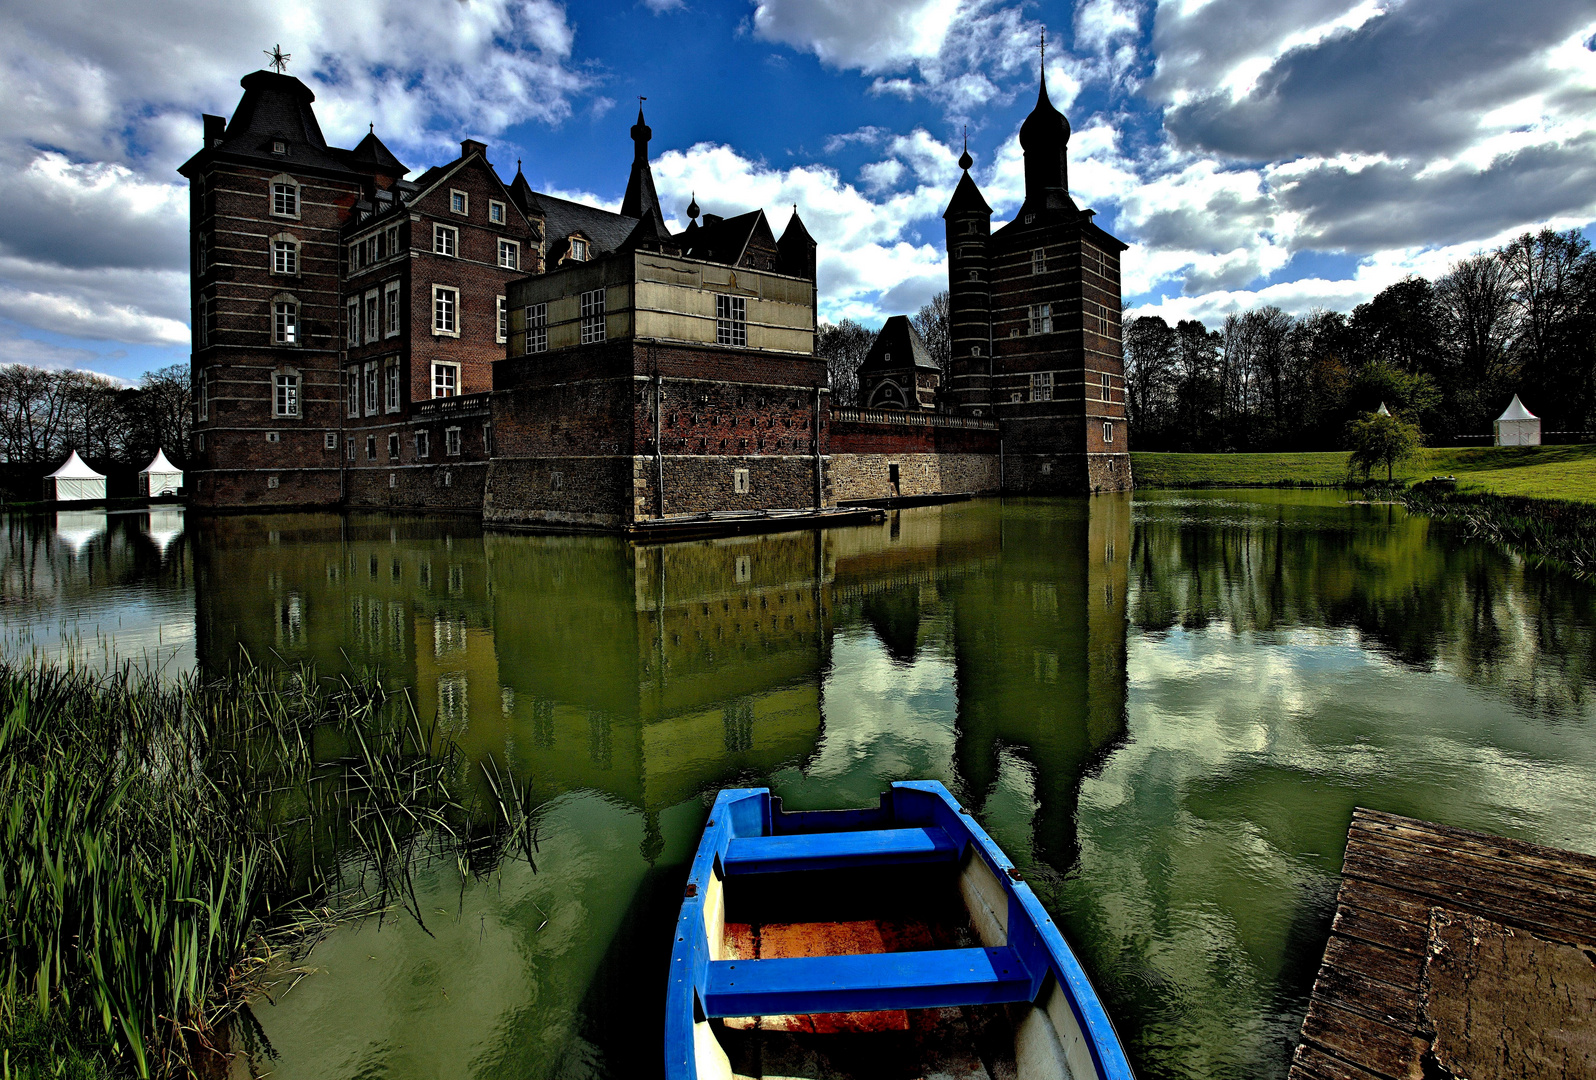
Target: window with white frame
column 1108, row 387
column 1108, row 432
column 504, row 319
column 1038, row 261
column 393, row 239
column 285, row 197
column 496, row 212
column 393, row 447
column 279, row 146
column 1042, row 318
column 349, row 449
column 371, row 448
column 330, row 440
column 445, row 310
column 537, row 328
column 287, row 394
column 459, row 202
column 1042, row 386
column 355, row 251
column 509, row 254
column 445, row 240
column 372, row 374
column 285, row 322
column 285, row 256
column 592, row 316
column 731, row 320
column 445, row 380
column 352, row 390
column 578, row 249
column 451, row 441
column 373, row 323
column 372, row 255
column 390, row 295
column 391, row 384
column 352, row 321
column 423, row 444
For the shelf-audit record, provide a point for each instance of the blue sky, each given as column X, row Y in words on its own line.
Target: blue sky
column 1304, row 153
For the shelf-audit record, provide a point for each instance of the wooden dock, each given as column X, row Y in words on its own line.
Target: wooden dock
column 1454, row 954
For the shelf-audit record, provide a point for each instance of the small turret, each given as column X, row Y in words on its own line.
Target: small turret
column 796, row 248
column 969, row 224
column 641, row 199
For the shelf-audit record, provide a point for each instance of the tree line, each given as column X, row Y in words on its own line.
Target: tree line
column 844, row 346
column 1445, row 355
column 46, row 414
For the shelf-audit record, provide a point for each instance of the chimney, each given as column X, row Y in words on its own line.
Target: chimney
column 215, row 128
column 471, row 146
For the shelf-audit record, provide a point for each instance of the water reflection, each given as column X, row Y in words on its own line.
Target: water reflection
column 1165, row 709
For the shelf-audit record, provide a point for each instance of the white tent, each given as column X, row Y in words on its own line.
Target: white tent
column 1518, row 426
column 160, row 477
column 74, row 481
column 1382, row 410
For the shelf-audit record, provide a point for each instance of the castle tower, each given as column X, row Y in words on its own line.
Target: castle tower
column 969, row 224
column 1057, row 383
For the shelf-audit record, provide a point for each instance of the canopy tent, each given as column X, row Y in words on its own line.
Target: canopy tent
column 1382, row 410
column 160, row 477
column 74, row 481
column 1518, row 426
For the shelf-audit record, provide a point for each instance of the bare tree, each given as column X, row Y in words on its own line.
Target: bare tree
column 932, row 321
column 1151, row 377
column 844, row 346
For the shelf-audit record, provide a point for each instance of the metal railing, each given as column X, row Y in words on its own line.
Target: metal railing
column 910, row 419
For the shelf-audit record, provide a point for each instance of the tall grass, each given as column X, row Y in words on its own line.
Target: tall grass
column 161, row 843
column 1551, row 530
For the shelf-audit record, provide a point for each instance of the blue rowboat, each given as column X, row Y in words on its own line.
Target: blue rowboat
column 895, row 941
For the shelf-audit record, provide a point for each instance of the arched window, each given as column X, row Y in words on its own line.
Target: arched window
column 284, row 196
column 285, row 254
column 285, row 392
column 285, row 319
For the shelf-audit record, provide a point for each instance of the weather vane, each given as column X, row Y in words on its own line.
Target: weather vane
column 279, row 59
column 1044, row 44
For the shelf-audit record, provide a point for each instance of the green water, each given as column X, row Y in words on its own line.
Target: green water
column 1164, row 707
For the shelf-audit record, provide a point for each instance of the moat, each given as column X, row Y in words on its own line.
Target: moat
column 1164, row 706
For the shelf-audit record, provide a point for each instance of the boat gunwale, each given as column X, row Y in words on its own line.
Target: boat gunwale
column 731, row 817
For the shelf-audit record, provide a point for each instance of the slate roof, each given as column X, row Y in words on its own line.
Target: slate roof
column 561, row 217
column 370, row 155
column 277, row 108
column 723, row 241
column 901, row 340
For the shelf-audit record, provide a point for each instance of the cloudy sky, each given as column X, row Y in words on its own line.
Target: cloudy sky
column 1297, row 152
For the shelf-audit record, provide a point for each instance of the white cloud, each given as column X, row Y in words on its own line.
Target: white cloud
column 885, row 35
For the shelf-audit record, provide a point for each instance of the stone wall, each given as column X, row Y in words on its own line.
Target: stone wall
column 456, row 487
column 857, row 477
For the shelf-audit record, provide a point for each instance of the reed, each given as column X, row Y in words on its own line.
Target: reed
column 164, row 846
column 1554, row 531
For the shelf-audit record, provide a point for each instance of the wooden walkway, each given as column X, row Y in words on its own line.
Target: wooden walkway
column 1454, row 954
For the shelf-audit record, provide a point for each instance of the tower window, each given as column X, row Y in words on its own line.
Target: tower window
column 285, row 322
column 1042, row 386
column 285, row 198
column 285, row 257
column 1038, row 261
column 1108, row 433
column 1108, row 387
column 287, row 395
column 731, row 320
column 593, row 316
column 537, row 328
column 1042, row 318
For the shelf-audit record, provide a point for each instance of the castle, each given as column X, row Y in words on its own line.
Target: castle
column 456, row 342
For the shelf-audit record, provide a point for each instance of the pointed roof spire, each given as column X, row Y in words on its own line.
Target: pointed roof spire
column 641, row 199
column 1045, row 137
column 692, row 207
column 965, row 160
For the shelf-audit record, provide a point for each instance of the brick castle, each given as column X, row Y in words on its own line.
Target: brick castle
column 457, row 342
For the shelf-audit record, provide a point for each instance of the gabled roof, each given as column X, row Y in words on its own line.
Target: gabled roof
column 276, row 108
column 726, row 241
column 562, row 217
column 1516, row 411
column 902, row 342
column 967, row 199
column 75, row 468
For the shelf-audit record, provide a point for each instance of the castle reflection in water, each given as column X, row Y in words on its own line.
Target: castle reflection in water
column 657, row 673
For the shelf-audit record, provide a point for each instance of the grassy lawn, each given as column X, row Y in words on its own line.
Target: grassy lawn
column 1547, row 472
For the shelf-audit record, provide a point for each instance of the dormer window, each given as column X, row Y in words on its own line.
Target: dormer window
column 279, row 147
column 578, row 249
column 459, row 202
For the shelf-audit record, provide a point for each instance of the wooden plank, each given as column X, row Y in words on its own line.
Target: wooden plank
column 1379, row 929
column 1466, row 839
column 1314, row 1063
column 1360, row 992
column 1496, row 861
column 1400, row 969
column 1350, row 1036
column 1527, row 904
